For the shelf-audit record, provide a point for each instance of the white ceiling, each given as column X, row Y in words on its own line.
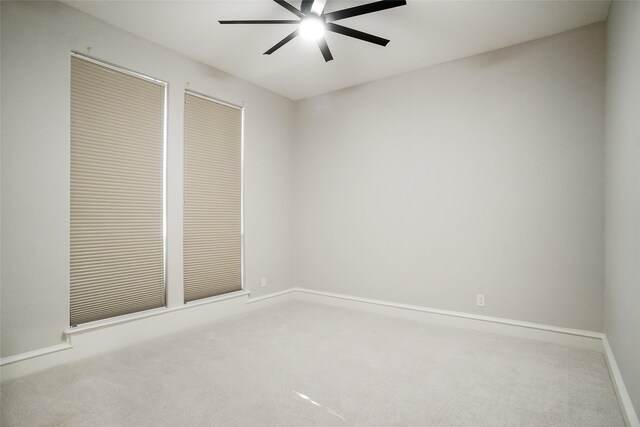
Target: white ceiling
column 422, row 33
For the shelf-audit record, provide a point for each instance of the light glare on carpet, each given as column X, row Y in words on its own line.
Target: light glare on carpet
column 305, row 397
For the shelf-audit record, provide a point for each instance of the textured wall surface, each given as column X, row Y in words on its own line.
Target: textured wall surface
column 478, row 176
column 622, row 289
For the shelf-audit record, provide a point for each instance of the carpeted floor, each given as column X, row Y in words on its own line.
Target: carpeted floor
column 299, row 363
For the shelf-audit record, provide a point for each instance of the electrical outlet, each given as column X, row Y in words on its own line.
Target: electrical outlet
column 263, row 282
column 480, row 300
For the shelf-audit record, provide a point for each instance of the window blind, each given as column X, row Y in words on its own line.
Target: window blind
column 117, row 171
column 212, row 198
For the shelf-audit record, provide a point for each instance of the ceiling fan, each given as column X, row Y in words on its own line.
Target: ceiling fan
column 312, row 22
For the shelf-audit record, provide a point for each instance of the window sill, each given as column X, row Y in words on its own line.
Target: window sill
column 99, row 324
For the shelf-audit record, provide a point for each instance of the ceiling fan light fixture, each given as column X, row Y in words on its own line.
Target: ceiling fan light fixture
column 312, row 28
column 313, row 22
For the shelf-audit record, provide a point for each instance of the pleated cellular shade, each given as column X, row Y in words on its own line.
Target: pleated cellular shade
column 117, row 231
column 212, row 198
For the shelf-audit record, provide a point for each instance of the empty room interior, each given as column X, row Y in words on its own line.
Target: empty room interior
column 320, row 212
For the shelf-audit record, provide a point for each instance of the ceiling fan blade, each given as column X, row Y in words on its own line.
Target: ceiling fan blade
column 282, row 43
column 361, row 10
column 305, row 6
column 262, row 21
column 318, row 7
column 324, row 48
column 290, row 8
column 350, row 32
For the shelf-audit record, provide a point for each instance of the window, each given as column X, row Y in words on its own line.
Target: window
column 117, row 192
column 212, row 198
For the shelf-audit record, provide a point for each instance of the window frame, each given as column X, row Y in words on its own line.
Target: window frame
column 165, row 128
column 242, row 108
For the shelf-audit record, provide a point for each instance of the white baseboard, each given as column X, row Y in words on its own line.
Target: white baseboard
column 99, row 338
column 557, row 335
column 272, row 296
column 629, row 413
column 588, row 340
column 35, row 353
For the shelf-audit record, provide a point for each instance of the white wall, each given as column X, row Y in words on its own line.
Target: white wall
column 483, row 175
column 478, row 176
column 622, row 289
column 36, row 41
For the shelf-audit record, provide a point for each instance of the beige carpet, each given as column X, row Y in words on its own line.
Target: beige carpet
column 299, row 363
